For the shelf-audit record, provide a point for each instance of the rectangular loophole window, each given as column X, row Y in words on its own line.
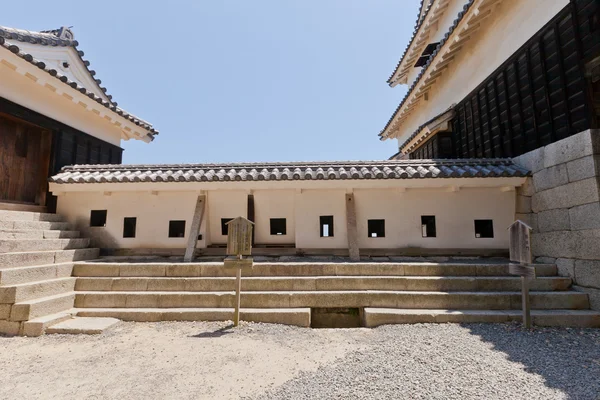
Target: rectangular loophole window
column 376, row 228
column 224, row 230
column 326, row 223
column 278, row 226
column 428, row 226
column 176, row 229
column 98, row 218
column 484, row 228
column 129, row 224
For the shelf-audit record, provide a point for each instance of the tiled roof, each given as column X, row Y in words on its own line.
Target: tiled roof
column 420, row 128
column 338, row 170
column 55, row 38
column 458, row 19
column 420, row 18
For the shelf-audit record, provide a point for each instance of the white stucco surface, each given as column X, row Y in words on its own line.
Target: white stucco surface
column 455, row 210
column 511, row 24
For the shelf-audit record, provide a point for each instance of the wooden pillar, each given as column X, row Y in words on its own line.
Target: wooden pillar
column 351, row 227
column 251, row 213
column 195, row 229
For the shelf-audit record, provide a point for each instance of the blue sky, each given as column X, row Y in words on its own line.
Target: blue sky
column 225, row 80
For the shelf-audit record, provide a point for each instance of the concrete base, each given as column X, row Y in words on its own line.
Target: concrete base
column 87, row 326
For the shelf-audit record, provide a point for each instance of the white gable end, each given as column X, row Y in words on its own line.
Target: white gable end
column 66, row 61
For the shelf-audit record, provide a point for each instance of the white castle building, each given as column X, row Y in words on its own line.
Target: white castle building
column 500, row 122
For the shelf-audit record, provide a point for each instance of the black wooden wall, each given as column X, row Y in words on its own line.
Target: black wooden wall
column 538, row 96
column 69, row 145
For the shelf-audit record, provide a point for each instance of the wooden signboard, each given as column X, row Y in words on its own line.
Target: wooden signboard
column 520, row 242
column 239, row 237
column 239, row 244
column 520, row 257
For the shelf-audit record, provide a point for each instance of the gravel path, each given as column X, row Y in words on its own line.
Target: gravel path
column 259, row 361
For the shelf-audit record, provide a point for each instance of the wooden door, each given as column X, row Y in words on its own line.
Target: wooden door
column 24, row 161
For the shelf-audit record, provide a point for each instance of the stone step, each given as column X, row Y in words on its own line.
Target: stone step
column 574, row 318
column 37, row 234
column 34, row 290
column 111, row 269
column 37, row 225
column 18, row 275
column 35, row 258
column 29, row 216
column 38, row 326
column 286, row 316
column 30, row 309
column 405, row 283
column 333, row 299
column 21, row 245
column 82, row 326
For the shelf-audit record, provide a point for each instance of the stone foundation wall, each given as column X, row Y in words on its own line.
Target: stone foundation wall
column 561, row 202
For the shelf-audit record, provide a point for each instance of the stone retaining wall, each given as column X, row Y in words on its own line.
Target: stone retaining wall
column 562, row 203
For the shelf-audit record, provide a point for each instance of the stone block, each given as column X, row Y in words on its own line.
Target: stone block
column 566, row 267
column 549, row 178
column 10, row 328
column 569, row 149
column 587, row 273
column 527, row 189
column 545, row 260
column 566, row 196
column 583, row 168
column 533, row 160
column 523, row 204
column 567, row 244
column 4, row 311
column 593, row 295
column 554, row 220
column 586, row 216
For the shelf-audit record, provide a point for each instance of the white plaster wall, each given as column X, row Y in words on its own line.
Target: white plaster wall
column 512, row 24
column 312, row 204
column 225, row 204
column 437, row 32
column 402, row 210
column 274, row 204
column 153, row 214
column 455, row 213
column 21, row 90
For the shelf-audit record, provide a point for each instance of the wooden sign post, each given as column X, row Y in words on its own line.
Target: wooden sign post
column 521, row 260
column 239, row 244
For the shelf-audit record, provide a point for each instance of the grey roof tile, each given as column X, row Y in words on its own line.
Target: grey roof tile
column 337, row 170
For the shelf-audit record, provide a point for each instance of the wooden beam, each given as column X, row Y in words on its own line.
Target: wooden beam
column 195, row 229
column 351, row 227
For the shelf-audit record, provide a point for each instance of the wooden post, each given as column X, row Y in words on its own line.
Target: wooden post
column 353, row 249
column 195, row 229
column 239, row 243
column 520, row 252
column 526, row 305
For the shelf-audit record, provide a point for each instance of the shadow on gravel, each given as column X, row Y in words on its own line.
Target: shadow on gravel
column 567, row 358
column 215, row 334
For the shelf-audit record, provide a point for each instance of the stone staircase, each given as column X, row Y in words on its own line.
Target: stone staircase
column 37, row 252
column 327, row 294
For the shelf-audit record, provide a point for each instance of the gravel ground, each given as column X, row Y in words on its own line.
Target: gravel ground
column 199, row 360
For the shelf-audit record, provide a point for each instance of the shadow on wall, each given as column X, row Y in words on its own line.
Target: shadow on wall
column 567, row 358
column 99, row 235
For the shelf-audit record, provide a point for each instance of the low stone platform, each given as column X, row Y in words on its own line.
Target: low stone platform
column 83, row 325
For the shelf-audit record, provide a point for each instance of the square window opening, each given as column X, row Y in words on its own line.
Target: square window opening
column 278, row 226
column 376, row 228
column 129, row 225
column 428, row 226
column 484, row 228
column 98, row 218
column 224, row 227
column 326, row 225
column 176, row 229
